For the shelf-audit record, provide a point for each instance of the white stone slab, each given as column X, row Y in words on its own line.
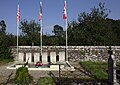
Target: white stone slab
column 44, row 58
column 36, row 57
column 53, row 57
column 28, row 55
column 21, row 57
column 61, row 56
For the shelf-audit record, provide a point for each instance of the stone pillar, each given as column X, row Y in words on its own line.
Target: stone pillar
column 53, row 57
column 36, row 57
column 28, row 57
column 44, row 57
column 61, row 56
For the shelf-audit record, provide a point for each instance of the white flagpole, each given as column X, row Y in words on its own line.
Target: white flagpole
column 40, row 19
column 18, row 19
column 41, row 36
column 66, row 41
column 65, row 19
column 17, row 40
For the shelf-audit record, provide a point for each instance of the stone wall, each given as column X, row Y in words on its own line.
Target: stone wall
column 93, row 53
column 75, row 53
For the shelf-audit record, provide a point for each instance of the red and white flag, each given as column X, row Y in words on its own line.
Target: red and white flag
column 18, row 14
column 65, row 12
column 40, row 12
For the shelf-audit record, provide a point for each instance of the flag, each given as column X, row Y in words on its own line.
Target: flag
column 18, row 14
column 40, row 12
column 64, row 11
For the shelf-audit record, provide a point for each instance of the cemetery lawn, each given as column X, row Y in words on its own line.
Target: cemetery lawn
column 97, row 69
column 4, row 61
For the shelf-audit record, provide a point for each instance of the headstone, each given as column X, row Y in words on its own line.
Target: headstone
column 36, row 57
column 44, row 57
column 53, row 57
column 61, row 56
column 28, row 57
column 21, row 57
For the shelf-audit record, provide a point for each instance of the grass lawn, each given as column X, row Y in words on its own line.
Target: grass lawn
column 4, row 61
column 97, row 69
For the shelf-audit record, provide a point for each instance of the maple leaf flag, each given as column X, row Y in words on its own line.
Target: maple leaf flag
column 65, row 12
column 40, row 13
column 18, row 14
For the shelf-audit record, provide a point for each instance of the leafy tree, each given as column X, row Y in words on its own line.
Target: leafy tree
column 11, row 39
column 58, row 30
column 2, row 26
column 93, row 28
column 5, row 51
column 31, row 30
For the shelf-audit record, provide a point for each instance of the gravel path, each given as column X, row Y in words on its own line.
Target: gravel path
column 4, row 72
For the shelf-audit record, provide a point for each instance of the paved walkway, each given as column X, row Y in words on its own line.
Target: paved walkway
column 4, row 73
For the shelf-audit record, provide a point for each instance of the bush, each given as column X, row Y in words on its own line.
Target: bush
column 45, row 81
column 22, row 76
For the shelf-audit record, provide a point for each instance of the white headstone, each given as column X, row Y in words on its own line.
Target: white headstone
column 53, row 57
column 36, row 57
column 44, row 57
column 28, row 55
column 61, row 56
column 21, row 57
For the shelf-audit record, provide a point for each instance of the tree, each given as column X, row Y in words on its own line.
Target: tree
column 92, row 28
column 5, row 51
column 32, row 31
column 2, row 26
column 58, row 30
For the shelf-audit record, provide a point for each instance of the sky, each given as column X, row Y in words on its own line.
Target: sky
column 52, row 11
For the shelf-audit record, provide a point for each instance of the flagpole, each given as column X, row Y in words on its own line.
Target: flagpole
column 40, row 19
column 41, row 36
column 18, row 19
column 66, row 41
column 65, row 19
column 17, row 40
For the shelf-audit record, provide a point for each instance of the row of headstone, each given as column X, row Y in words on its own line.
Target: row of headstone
column 45, row 58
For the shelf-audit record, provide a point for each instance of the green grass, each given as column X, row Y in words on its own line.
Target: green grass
column 4, row 61
column 45, row 81
column 97, row 69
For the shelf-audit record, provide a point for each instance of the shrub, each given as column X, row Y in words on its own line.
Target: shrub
column 45, row 81
column 22, row 76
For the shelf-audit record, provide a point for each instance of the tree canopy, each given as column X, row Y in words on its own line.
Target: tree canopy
column 30, row 32
column 5, row 52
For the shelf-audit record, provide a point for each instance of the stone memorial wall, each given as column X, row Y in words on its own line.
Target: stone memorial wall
column 75, row 53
